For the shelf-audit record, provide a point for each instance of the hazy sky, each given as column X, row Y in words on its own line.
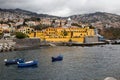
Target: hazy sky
column 63, row 7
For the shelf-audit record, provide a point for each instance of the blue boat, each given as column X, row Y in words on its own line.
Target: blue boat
column 58, row 58
column 28, row 64
column 14, row 61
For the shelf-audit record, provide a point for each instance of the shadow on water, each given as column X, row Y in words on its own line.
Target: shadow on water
column 28, row 67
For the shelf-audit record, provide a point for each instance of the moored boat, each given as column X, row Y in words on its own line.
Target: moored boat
column 13, row 61
column 58, row 58
column 28, row 64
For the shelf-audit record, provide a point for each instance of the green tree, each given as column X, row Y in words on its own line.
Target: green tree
column 64, row 33
column 38, row 19
column 75, row 24
column 91, row 27
column 20, row 35
column 40, row 27
column 1, row 35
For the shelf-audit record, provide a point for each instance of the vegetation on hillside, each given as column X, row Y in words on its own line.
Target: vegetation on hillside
column 76, row 24
column 32, row 19
column 40, row 27
column 111, row 33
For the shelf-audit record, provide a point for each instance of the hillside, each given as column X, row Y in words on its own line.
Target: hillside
column 13, row 13
column 99, row 19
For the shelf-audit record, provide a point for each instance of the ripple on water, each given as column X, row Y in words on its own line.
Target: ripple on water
column 79, row 63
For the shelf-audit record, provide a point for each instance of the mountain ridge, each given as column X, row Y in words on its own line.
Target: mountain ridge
column 99, row 19
column 25, row 12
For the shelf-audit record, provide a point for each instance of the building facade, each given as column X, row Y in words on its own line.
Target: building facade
column 60, row 34
column 26, row 30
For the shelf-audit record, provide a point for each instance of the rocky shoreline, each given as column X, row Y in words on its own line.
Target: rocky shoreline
column 18, row 44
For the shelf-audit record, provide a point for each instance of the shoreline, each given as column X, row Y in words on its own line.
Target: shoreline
column 18, row 47
column 56, row 44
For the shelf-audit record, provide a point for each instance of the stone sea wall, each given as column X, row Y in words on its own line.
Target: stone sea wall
column 28, row 43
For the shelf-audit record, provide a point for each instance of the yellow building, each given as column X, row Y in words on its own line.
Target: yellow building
column 59, row 34
column 26, row 30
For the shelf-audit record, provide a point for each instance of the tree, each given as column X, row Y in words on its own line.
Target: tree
column 64, row 33
column 53, row 23
column 24, row 23
column 20, row 35
column 38, row 19
column 1, row 35
column 40, row 27
column 76, row 24
column 91, row 27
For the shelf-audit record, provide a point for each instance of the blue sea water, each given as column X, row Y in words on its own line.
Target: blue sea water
column 79, row 63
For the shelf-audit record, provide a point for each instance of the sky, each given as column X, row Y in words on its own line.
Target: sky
column 63, row 7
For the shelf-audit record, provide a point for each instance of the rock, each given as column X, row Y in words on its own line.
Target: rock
column 110, row 78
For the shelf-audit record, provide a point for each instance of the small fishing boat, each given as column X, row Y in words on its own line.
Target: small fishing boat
column 58, row 58
column 28, row 64
column 13, row 61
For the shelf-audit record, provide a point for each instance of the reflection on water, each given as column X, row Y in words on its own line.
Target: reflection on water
column 79, row 63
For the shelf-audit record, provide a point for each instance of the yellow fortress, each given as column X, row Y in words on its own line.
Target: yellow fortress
column 64, row 34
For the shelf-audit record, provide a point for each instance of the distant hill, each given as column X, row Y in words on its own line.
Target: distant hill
column 99, row 19
column 21, row 13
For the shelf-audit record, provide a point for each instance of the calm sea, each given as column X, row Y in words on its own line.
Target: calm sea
column 79, row 63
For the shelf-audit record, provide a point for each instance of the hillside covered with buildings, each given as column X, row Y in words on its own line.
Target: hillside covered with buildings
column 17, row 20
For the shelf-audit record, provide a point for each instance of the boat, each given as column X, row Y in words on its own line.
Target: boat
column 58, row 58
column 13, row 61
column 28, row 64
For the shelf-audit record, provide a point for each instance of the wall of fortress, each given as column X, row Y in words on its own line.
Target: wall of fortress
column 31, row 42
